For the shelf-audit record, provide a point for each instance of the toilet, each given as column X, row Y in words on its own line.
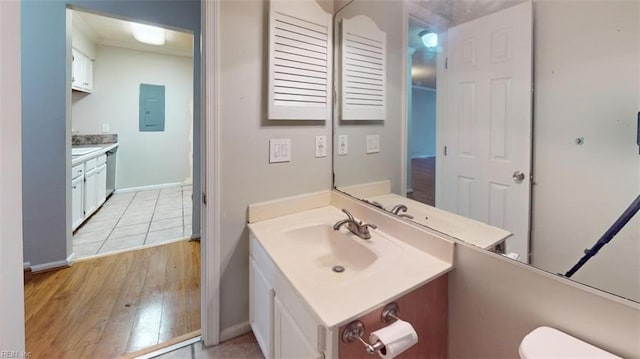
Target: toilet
column 546, row 342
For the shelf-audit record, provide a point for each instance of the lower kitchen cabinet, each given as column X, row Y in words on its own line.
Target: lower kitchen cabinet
column 90, row 192
column 88, row 188
column 101, row 181
column 77, row 202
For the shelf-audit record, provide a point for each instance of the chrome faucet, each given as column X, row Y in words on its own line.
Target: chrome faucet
column 401, row 208
column 358, row 228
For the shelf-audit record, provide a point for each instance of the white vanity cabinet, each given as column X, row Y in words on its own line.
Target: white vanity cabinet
column 288, row 339
column 82, row 72
column 261, row 302
column 284, row 327
column 77, row 196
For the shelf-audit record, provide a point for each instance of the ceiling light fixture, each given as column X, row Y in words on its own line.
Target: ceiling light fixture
column 148, row 34
column 429, row 39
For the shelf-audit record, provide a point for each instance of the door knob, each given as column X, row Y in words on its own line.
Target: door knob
column 518, row 176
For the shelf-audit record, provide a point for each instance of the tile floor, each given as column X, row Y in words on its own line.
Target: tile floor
column 242, row 347
column 134, row 219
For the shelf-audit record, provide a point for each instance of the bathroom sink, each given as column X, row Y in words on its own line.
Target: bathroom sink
column 333, row 257
column 79, row 151
column 305, row 249
column 326, row 247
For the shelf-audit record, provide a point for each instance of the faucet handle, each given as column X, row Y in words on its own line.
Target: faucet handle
column 348, row 214
column 363, row 230
column 399, row 208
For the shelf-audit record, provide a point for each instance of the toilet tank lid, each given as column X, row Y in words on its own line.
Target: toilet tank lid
column 546, row 342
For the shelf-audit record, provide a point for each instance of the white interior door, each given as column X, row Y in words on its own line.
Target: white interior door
column 488, row 125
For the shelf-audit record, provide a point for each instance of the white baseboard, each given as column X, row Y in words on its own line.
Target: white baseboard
column 27, row 265
column 71, row 258
column 52, row 265
column 149, row 188
column 235, row 331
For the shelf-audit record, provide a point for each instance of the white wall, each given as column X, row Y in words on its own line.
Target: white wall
column 144, row 158
column 357, row 166
column 586, row 77
column 494, row 302
column 423, row 122
column 81, row 38
column 11, row 274
column 246, row 175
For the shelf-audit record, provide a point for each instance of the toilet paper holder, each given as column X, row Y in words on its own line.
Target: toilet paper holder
column 355, row 330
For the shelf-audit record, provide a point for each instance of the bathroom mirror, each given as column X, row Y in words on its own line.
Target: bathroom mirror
column 521, row 115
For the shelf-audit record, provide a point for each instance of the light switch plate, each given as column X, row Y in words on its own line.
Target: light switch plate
column 343, row 145
column 105, row 128
column 373, row 143
column 279, row 150
column 321, row 146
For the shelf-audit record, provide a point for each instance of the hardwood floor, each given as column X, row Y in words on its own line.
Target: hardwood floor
column 423, row 180
column 109, row 306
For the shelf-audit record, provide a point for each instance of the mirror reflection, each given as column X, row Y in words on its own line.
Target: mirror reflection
column 520, row 116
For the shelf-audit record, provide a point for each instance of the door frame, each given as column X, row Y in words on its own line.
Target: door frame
column 12, row 334
column 441, row 102
column 210, row 164
column 209, row 173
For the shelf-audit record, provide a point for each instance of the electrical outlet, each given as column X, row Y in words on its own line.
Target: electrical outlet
column 373, row 143
column 321, row 146
column 105, row 128
column 279, row 150
column 343, row 145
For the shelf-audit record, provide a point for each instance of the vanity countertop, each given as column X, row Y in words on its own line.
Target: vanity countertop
column 333, row 297
column 103, row 148
column 468, row 230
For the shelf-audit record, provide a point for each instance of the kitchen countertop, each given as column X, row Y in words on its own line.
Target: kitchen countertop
column 76, row 160
column 400, row 270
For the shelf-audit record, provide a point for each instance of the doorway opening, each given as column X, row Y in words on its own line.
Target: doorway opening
column 132, row 101
column 137, row 285
column 422, row 114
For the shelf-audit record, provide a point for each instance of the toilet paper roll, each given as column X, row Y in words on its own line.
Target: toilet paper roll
column 396, row 338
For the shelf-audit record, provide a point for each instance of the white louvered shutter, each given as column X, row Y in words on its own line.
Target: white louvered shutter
column 364, row 70
column 300, row 61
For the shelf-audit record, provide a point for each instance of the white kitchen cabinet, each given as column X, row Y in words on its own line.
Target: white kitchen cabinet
column 90, row 191
column 101, row 185
column 101, row 179
column 77, row 201
column 289, row 340
column 82, row 72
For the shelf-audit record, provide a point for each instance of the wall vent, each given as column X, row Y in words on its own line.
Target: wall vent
column 364, row 70
column 300, row 61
